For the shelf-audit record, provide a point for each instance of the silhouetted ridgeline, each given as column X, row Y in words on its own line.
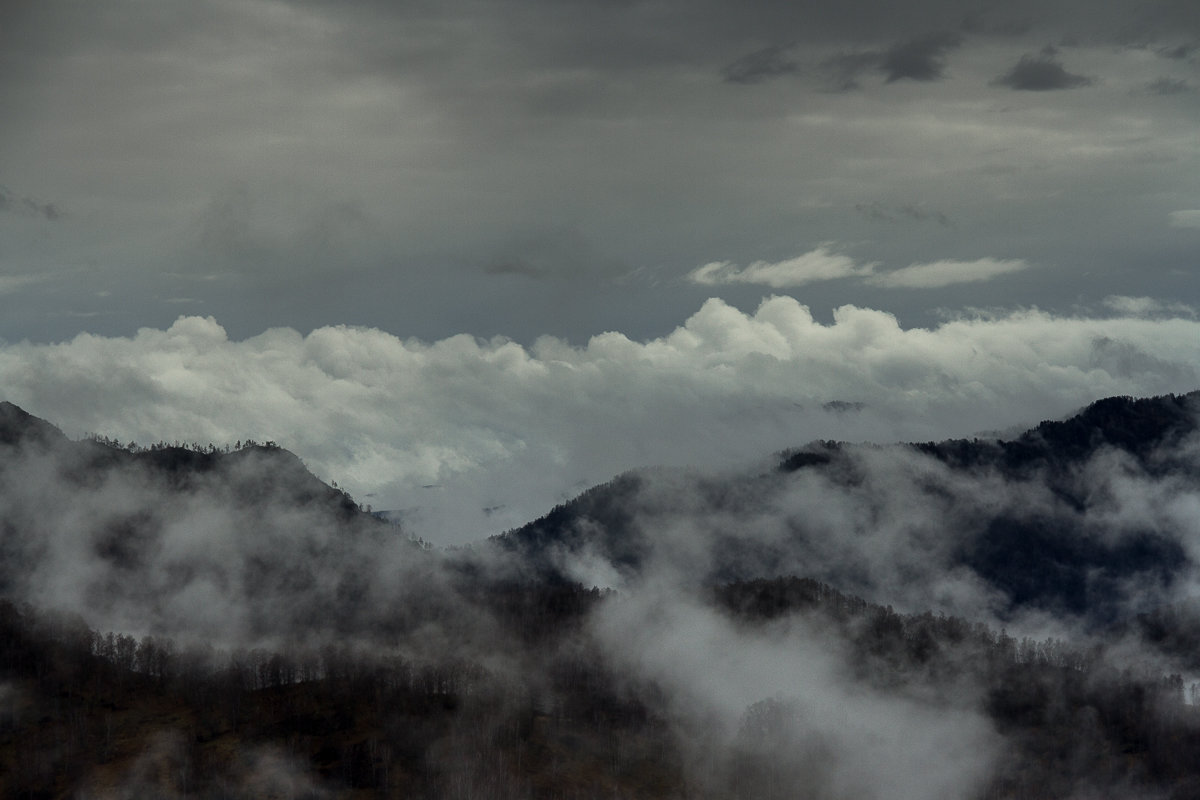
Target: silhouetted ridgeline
column 1140, row 428
column 269, row 638
column 1033, row 518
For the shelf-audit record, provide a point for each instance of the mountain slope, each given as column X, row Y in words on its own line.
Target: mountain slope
column 268, row 639
column 167, row 539
column 1085, row 516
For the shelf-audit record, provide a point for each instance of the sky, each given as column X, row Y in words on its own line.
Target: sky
column 467, row 258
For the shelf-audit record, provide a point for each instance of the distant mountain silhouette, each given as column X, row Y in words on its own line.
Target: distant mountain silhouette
column 18, row 427
column 1138, row 427
column 1056, row 558
column 317, row 655
column 254, row 472
column 1058, row 554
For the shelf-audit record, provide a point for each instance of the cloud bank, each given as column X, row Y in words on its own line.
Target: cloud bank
column 445, row 430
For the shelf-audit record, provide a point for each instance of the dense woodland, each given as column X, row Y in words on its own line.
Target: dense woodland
column 489, row 673
column 85, row 712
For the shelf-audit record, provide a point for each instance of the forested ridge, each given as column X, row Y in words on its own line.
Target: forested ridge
column 200, row 621
column 86, row 712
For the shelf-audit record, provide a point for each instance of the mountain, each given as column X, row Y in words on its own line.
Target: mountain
column 1045, row 521
column 1142, row 428
column 965, row 619
column 18, row 427
column 225, row 544
column 259, row 472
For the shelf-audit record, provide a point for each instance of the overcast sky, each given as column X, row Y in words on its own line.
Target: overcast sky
column 527, row 168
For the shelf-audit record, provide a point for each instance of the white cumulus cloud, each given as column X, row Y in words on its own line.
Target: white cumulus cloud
column 492, row 424
column 937, row 274
column 822, row 264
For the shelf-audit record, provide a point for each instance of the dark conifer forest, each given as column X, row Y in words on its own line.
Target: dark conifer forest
column 978, row 618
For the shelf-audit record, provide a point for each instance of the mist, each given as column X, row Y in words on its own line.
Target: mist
column 246, row 552
column 465, row 438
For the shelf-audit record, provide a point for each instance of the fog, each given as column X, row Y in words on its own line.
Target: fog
column 465, row 438
column 244, row 549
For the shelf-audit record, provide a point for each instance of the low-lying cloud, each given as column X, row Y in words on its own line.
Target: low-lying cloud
column 468, row 437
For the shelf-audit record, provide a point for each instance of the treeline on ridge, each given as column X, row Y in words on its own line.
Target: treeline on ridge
column 80, row 711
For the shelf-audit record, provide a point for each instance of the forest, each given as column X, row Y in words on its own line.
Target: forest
column 974, row 619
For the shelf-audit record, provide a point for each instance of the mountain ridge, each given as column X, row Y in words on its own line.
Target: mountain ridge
column 1056, row 552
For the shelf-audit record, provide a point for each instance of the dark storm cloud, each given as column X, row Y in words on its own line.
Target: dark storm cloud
column 248, row 233
column 15, row 204
column 996, row 22
column 1168, row 86
column 920, row 59
column 1178, row 52
column 563, row 252
column 883, row 212
column 226, row 232
column 630, row 36
column 462, row 129
column 770, row 62
column 1040, row 73
column 843, row 70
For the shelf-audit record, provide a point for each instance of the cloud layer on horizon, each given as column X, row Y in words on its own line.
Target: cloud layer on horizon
column 447, row 429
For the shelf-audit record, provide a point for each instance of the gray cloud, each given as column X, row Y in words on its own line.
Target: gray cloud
column 772, row 61
column 407, row 166
column 1168, row 86
column 995, row 21
column 1043, row 72
column 1146, row 306
column 894, row 213
column 563, row 253
column 1178, row 52
column 16, row 204
column 842, row 71
column 920, row 59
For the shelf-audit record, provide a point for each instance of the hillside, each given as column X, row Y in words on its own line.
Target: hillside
column 1010, row 615
column 1038, row 519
